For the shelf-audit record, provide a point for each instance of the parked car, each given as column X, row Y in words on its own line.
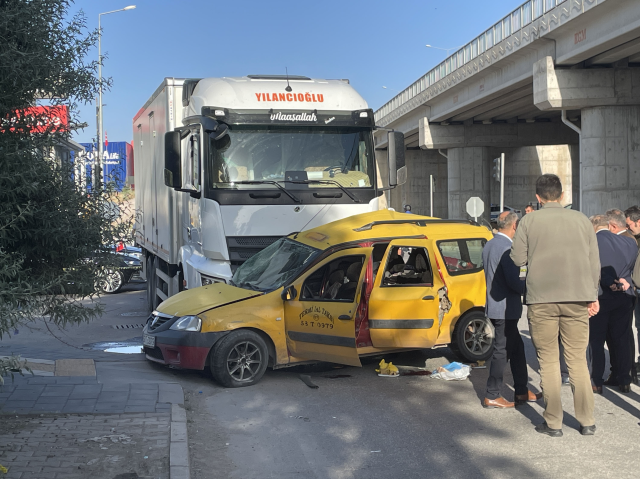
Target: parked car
column 124, row 267
column 495, row 212
column 370, row 283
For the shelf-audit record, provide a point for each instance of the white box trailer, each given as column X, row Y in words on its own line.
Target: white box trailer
column 225, row 166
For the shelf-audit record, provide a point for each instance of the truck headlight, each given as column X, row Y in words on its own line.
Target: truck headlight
column 187, row 323
column 207, row 280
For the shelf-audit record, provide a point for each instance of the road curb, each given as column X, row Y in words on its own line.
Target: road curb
column 179, row 445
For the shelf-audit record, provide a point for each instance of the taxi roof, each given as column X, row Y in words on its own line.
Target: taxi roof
column 387, row 224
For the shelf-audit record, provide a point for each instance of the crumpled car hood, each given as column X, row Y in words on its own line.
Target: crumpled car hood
column 198, row 300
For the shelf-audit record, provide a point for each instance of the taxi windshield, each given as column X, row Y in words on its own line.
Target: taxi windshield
column 274, row 266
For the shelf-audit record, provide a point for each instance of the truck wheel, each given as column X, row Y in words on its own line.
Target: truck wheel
column 473, row 337
column 239, row 359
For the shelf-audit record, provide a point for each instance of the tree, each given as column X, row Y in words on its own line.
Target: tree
column 51, row 232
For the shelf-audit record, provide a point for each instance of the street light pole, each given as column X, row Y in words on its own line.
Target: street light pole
column 98, row 162
column 444, row 49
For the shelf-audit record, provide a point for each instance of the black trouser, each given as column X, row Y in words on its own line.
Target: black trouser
column 507, row 346
column 632, row 348
column 613, row 322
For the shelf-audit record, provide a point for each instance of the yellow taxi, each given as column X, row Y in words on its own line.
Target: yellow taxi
column 371, row 283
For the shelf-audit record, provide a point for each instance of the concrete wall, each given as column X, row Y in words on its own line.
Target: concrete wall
column 524, row 165
column 610, row 149
column 469, row 174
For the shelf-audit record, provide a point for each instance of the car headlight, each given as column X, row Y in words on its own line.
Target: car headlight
column 133, row 262
column 187, row 323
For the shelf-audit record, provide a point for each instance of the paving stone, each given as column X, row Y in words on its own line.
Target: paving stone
column 86, row 391
column 19, row 404
column 56, row 390
column 149, row 408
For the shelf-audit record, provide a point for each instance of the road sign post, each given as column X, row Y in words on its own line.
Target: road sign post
column 475, row 207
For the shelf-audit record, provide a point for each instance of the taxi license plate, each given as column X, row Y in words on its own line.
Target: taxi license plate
column 149, row 341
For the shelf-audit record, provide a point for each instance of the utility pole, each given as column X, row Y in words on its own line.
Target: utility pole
column 431, row 194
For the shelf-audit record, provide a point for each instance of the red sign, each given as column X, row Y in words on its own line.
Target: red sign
column 42, row 119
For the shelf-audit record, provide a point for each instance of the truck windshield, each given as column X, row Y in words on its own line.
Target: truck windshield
column 274, row 153
column 274, row 266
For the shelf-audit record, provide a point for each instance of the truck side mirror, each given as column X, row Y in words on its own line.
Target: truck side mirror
column 172, row 167
column 397, row 168
column 288, row 293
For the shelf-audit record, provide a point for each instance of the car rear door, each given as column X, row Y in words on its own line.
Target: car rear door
column 320, row 315
column 403, row 307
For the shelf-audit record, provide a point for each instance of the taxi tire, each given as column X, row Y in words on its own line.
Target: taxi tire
column 224, row 348
column 458, row 338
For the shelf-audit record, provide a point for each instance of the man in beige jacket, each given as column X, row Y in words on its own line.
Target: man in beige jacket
column 560, row 250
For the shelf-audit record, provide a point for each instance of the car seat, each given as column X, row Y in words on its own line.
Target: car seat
column 335, row 282
column 348, row 290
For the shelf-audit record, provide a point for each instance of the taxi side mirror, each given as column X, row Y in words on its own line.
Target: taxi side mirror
column 288, row 293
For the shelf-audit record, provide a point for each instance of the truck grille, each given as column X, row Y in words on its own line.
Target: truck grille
column 241, row 248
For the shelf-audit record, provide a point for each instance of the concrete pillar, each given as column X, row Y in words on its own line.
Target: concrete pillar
column 469, row 174
column 610, row 152
column 421, row 164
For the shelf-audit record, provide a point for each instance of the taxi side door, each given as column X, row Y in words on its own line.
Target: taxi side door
column 404, row 303
column 320, row 308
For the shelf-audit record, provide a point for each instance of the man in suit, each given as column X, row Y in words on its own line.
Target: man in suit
column 632, row 219
column 560, row 250
column 617, row 224
column 618, row 255
column 504, row 308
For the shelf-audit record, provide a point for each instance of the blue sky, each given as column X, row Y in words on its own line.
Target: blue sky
column 372, row 43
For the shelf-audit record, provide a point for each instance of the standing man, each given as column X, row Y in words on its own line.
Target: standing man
column 632, row 218
column 504, row 308
column 613, row 322
column 559, row 247
column 407, row 209
column 528, row 209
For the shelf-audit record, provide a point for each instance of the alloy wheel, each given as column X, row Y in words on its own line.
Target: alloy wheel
column 477, row 338
column 244, row 361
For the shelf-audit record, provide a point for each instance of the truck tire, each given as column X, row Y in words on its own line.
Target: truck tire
column 473, row 336
column 239, row 359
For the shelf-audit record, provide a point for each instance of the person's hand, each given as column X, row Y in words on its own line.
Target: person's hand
column 620, row 285
column 593, row 308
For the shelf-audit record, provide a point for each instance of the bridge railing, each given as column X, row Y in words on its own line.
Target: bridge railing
column 516, row 20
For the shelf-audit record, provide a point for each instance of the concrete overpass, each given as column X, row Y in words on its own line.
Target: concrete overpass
column 555, row 85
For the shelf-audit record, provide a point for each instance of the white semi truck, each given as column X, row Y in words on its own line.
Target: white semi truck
column 226, row 166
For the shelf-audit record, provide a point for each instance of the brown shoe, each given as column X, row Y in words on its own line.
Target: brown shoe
column 529, row 397
column 499, row 403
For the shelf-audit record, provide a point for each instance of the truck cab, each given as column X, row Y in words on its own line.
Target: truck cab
column 244, row 162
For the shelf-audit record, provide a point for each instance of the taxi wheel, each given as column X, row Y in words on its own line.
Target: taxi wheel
column 239, row 359
column 473, row 337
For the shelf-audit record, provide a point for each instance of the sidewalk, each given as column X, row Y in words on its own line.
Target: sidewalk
column 75, row 427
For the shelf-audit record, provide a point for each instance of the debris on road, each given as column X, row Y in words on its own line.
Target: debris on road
column 452, row 372
column 336, row 376
column 307, row 380
column 387, row 370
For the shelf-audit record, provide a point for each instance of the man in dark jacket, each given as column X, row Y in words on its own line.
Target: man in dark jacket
column 504, row 308
column 617, row 258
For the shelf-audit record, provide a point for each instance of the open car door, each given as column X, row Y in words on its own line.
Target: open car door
column 321, row 308
column 403, row 307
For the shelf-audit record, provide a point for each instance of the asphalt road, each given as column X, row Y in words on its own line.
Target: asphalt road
column 356, row 426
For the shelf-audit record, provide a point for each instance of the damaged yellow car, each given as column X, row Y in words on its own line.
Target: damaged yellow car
column 370, row 283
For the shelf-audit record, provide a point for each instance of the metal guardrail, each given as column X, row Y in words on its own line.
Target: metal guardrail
column 516, row 20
